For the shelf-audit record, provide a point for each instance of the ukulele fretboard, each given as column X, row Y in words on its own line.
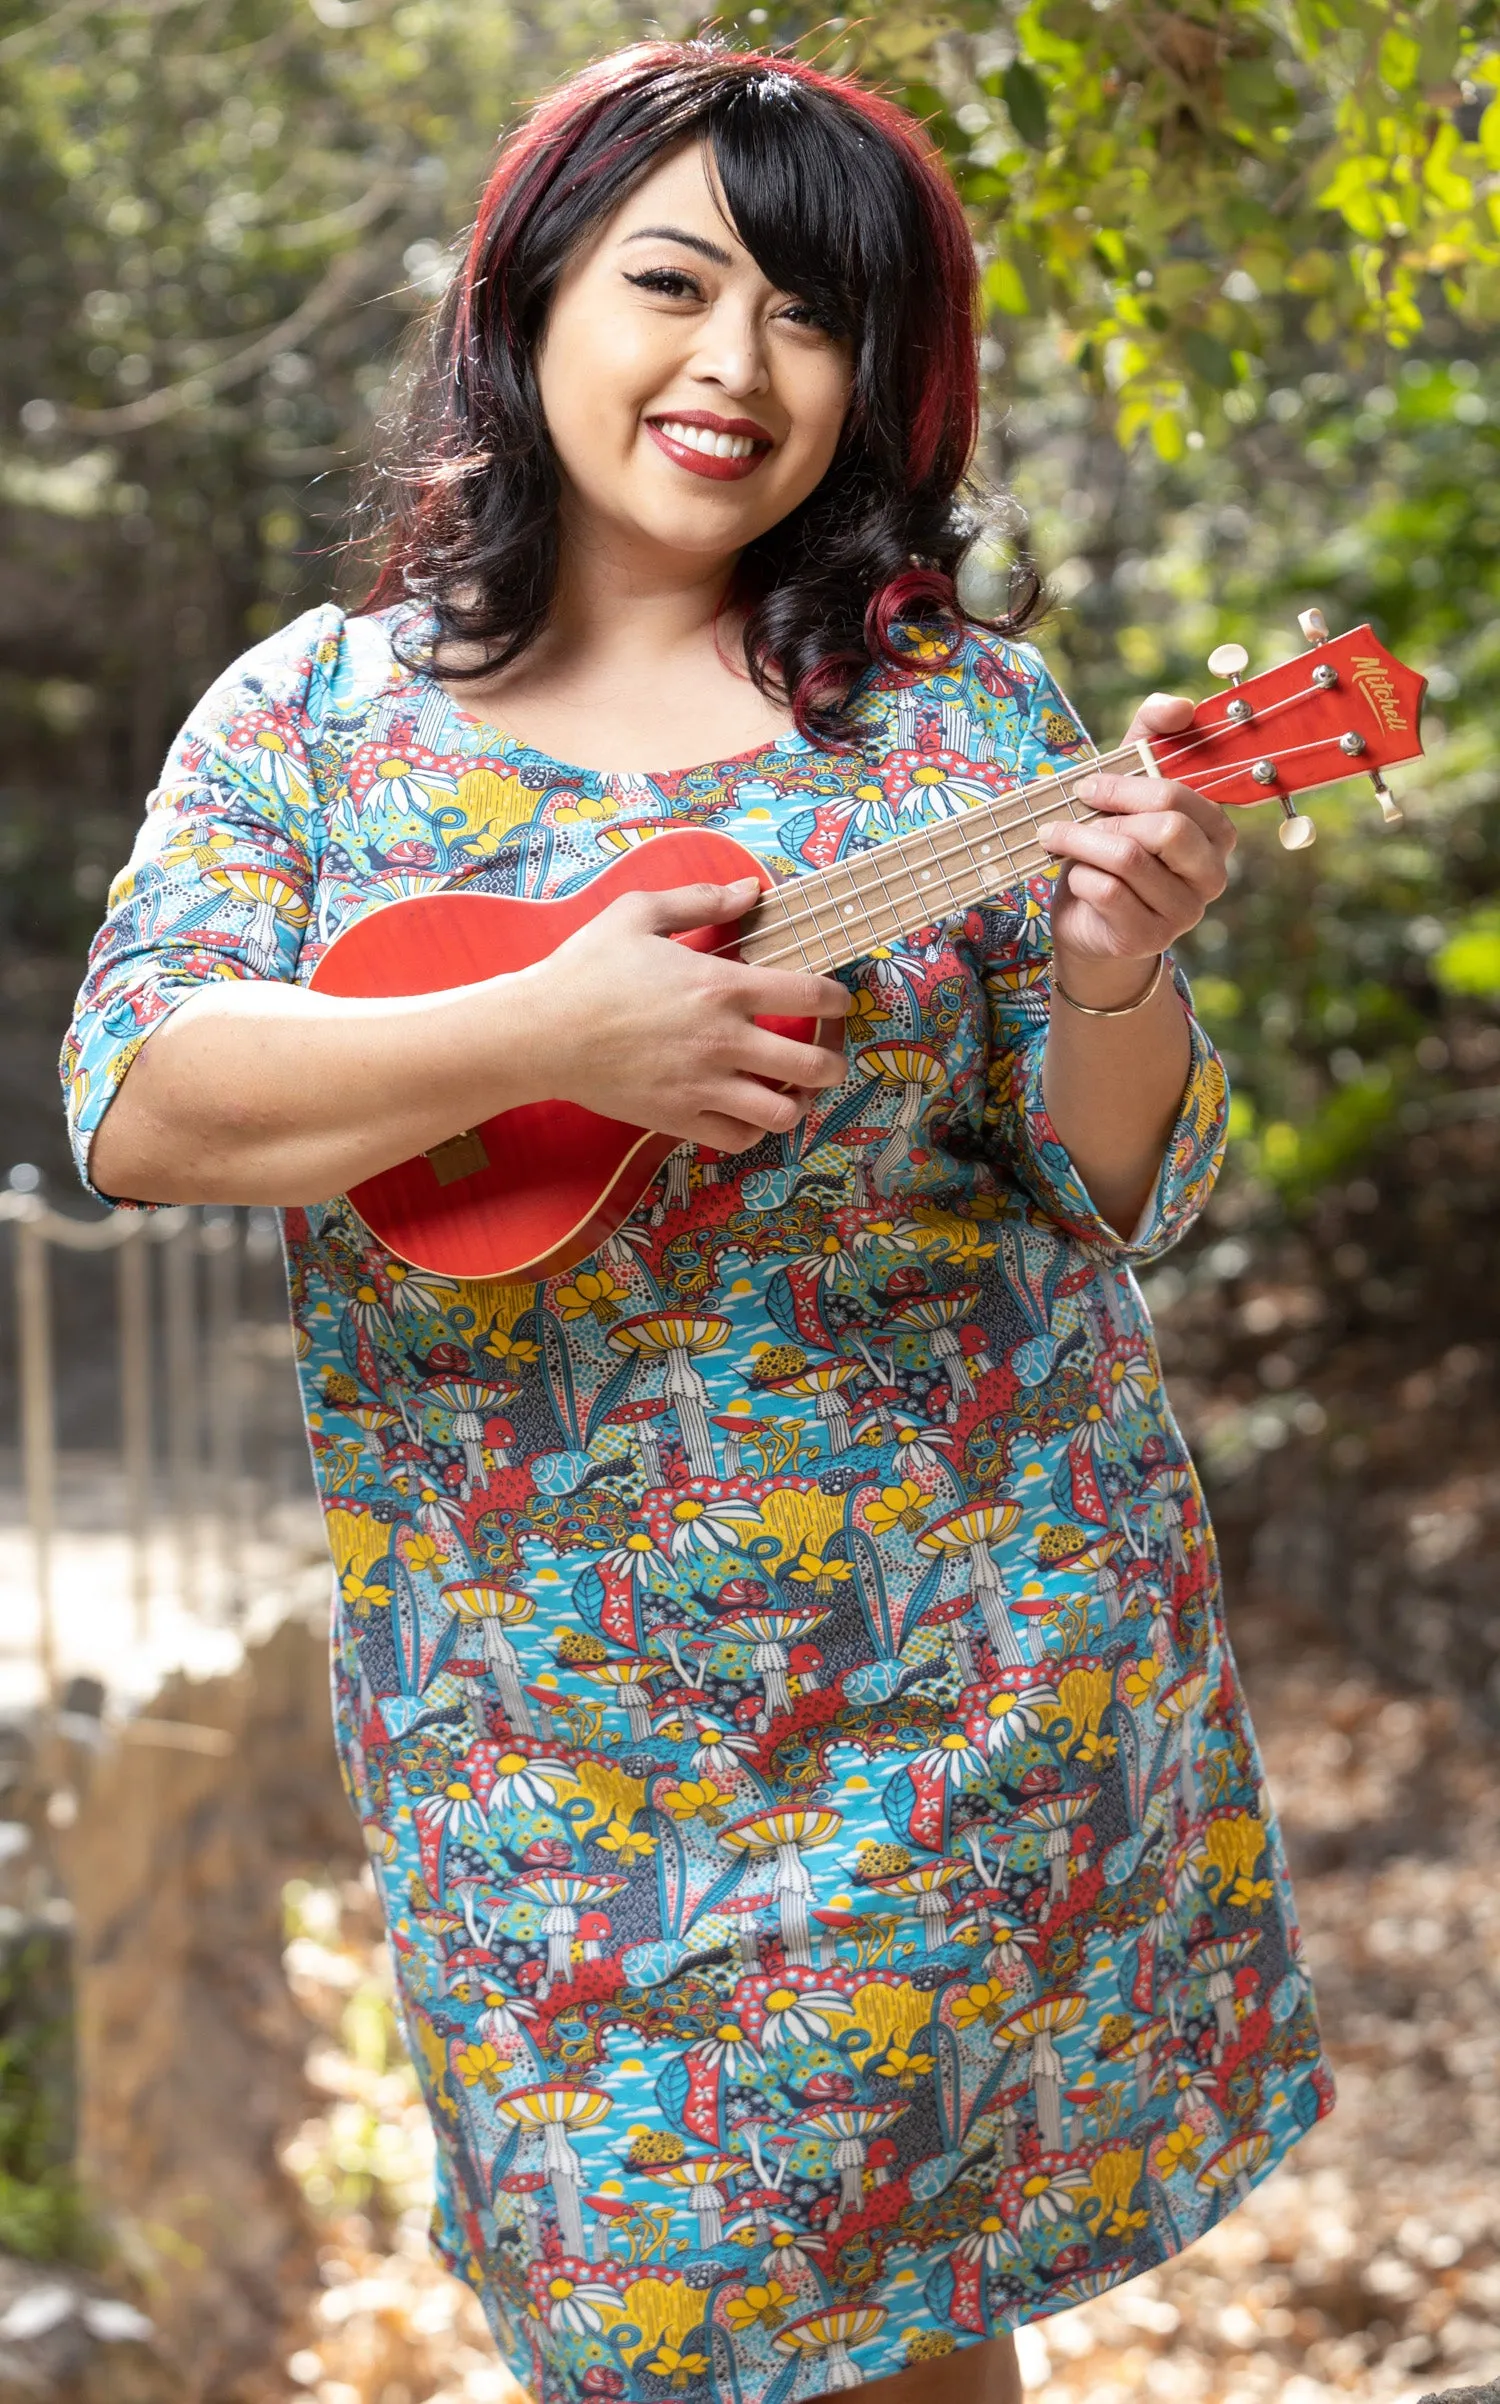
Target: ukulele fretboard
column 842, row 913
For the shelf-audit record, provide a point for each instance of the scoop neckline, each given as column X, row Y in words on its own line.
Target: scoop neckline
column 506, row 744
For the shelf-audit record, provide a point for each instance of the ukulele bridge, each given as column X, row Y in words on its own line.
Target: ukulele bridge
column 462, row 1155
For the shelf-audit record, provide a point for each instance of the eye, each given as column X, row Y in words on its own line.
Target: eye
column 673, row 283
column 817, row 321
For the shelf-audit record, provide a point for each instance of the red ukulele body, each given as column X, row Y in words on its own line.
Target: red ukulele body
column 530, row 1192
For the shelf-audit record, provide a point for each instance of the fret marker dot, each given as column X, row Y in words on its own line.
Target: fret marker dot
column 848, row 909
column 926, row 873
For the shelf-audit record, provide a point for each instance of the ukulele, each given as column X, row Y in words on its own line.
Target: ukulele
column 534, row 1190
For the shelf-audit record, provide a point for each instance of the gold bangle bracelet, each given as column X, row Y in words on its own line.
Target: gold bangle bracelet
column 1111, row 1009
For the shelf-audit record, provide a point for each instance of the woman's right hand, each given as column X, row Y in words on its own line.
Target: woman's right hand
column 627, row 1023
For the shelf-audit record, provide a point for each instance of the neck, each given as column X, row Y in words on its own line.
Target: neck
column 875, row 897
column 617, row 594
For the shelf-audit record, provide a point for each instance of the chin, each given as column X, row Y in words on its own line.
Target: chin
column 703, row 533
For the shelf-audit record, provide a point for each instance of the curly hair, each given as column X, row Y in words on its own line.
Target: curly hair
column 842, row 202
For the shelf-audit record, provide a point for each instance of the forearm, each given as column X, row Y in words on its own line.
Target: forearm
column 264, row 1092
column 1113, row 1086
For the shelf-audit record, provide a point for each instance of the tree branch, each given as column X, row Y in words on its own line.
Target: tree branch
column 169, row 400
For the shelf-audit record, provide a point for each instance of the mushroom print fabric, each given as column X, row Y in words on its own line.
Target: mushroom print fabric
column 779, row 1663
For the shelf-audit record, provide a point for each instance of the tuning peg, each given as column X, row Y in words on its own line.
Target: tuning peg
column 1295, row 832
column 1390, row 809
column 1314, row 626
column 1230, row 660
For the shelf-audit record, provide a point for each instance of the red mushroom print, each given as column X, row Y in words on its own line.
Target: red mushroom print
column 734, row 1424
column 880, row 2155
column 805, row 1663
column 831, row 1925
column 747, row 1909
column 526, row 2186
column 953, row 1618
column 639, row 1416
column 594, row 1933
column 610, row 2211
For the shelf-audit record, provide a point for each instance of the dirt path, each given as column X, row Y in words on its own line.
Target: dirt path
column 1369, row 2266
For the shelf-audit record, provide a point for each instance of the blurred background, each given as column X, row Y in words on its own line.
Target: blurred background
column 1242, row 291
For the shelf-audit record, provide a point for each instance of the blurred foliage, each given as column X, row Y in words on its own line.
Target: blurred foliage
column 41, row 2215
column 1242, row 275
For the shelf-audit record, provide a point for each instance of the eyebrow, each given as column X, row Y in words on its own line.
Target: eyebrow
column 674, row 233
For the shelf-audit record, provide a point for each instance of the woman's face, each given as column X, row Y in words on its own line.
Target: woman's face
column 690, row 404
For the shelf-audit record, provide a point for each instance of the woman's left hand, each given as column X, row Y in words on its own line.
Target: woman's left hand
column 1142, row 872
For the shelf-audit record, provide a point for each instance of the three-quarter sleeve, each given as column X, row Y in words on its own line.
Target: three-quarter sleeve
column 1013, row 950
column 221, row 880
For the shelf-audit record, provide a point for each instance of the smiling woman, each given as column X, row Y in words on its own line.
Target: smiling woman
column 777, row 260
column 779, row 1658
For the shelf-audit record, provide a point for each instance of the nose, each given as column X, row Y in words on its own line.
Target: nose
column 731, row 351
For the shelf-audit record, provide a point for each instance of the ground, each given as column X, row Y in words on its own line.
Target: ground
column 1369, row 2265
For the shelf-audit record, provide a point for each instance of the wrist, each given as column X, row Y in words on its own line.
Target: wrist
column 1103, row 984
column 507, row 1030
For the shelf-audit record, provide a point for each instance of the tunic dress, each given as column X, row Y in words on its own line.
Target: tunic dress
column 779, row 1663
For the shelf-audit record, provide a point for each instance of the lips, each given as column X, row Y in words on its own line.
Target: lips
column 719, row 470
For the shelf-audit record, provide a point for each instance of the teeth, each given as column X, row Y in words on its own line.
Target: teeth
column 703, row 438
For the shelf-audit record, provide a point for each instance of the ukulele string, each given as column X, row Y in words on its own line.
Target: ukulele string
column 811, row 915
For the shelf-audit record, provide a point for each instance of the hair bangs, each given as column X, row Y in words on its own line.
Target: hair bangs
column 823, row 210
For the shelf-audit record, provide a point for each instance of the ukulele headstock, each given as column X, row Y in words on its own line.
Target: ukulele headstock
column 1343, row 708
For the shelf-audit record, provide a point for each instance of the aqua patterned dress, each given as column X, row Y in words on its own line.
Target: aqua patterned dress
column 779, row 1664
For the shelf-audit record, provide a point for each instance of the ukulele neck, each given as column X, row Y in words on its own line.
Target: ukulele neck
column 843, row 913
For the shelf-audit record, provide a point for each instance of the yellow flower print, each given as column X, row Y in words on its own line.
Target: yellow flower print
column 584, row 809
column 983, row 2001
column 512, row 1352
column 1140, row 1679
column 902, row 2066
column 594, row 1295
column 812, row 1569
column 477, row 2065
column 1179, row 2150
column 903, row 1506
column 676, row 2367
column 198, row 846
column 1091, row 1746
column 959, row 1237
column 361, row 1597
column 866, row 1012
column 626, row 1843
column 764, row 2307
column 424, row 1554
column 697, row 1799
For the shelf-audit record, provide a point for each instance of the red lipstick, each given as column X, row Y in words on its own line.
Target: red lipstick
column 704, row 463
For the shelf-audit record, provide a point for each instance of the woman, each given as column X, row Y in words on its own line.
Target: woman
column 778, row 1662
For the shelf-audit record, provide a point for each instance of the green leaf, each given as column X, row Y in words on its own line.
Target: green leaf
column 1469, row 961
column 1003, row 287
column 1209, row 358
column 1025, row 95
